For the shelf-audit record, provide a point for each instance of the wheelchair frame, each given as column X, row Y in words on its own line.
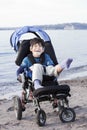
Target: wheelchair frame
column 66, row 114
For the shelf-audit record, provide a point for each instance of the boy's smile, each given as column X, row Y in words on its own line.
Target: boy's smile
column 37, row 50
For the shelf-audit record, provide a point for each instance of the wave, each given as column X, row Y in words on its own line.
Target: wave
column 78, row 68
column 9, row 87
column 6, row 53
column 74, row 72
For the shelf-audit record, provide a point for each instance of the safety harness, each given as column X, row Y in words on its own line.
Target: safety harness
column 32, row 60
column 42, row 60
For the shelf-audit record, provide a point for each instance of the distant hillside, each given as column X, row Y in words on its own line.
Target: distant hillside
column 69, row 26
column 63, row 26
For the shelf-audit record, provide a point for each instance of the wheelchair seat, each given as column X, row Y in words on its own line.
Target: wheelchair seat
column 50, row 87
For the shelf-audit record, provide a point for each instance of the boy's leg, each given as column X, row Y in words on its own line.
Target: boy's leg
column 37, row 75
column 58, row 69
column 54, row 71
column 64, row 64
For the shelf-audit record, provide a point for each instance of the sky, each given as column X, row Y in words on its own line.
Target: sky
column 15, row 13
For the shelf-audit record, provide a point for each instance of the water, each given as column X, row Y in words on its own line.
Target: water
column 67, row 43
column 71, row 43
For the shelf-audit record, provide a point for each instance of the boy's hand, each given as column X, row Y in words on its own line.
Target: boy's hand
column 19, row 78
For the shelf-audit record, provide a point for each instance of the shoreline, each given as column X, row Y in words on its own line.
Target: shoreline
column 77, row 101
column 70, row 81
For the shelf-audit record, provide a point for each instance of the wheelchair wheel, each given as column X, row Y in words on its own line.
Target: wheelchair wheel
column 41, row 117
column 67, row 115
column 18, row 107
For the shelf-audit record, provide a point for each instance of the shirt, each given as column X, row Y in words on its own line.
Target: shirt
column 26, row 63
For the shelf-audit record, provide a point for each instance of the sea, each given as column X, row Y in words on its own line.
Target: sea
column 66, row 43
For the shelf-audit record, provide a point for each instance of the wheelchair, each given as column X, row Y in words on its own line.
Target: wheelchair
column 52, row 89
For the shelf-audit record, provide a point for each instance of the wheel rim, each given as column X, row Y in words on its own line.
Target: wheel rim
column 67, row 115
column 42, row 118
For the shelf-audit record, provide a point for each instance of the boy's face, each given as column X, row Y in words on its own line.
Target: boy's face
column 37, row 49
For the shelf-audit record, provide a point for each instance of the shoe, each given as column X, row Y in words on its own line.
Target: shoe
column 69, row 61
column 66, row 63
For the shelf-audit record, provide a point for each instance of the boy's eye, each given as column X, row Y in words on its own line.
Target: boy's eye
column 38, row 46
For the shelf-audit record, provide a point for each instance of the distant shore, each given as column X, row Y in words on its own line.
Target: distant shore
column 62, row 26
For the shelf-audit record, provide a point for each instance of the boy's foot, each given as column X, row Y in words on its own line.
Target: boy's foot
column 37, row 84
column 66, row 63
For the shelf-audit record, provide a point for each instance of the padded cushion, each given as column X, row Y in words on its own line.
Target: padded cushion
column 49, row 80
column 57, row 89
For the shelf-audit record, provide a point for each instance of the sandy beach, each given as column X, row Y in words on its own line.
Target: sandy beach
column 77, row 101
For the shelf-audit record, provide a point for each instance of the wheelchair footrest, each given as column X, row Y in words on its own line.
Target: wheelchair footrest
column 56, row 89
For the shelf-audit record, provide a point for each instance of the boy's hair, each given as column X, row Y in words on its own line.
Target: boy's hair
column 37, row 40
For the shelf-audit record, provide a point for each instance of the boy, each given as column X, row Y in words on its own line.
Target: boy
column 37, row 70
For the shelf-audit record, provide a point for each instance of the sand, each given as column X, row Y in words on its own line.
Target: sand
column 77, row 101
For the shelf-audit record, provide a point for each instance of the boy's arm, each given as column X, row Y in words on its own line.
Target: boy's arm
column 20, row 70
column 49, row 60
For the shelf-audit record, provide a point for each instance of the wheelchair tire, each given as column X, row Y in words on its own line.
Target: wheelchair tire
column 67, row 115
column 18, row 108
column 41, row 117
